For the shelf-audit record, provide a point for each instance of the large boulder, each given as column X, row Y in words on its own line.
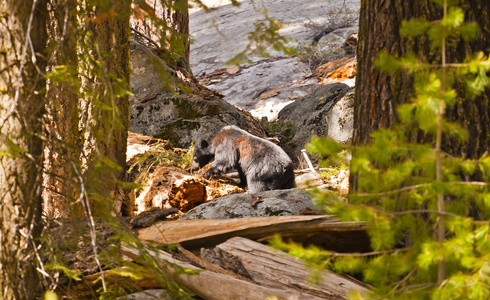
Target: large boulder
column 170, row 105
column 326, row 111
column 268, row 203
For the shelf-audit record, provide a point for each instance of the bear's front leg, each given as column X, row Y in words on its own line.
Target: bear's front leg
column 217, row 168
column 208, row 173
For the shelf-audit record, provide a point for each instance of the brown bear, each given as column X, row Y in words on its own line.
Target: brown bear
column 261, row 164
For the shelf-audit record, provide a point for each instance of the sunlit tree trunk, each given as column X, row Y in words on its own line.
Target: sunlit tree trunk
column 378, row 94
column 105, row 83
column 63, row 140
column 22, row 45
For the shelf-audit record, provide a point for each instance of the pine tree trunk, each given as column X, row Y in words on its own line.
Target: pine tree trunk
column 105, row 105
column 21, row 148
column 378, row 94
column 112, row 38
column 64, row 139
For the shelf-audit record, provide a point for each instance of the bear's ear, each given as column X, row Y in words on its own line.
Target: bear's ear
column 204, row 144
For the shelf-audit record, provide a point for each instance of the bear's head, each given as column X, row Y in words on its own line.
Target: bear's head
column 202, row 156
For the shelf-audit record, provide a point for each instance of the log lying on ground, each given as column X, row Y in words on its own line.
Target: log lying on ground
column 273, row 268
column 324, row 231
column 216, row 286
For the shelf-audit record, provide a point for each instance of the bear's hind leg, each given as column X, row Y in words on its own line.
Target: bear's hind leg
column 255, row 186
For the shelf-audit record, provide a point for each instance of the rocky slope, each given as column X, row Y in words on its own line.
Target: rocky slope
column 268, row 84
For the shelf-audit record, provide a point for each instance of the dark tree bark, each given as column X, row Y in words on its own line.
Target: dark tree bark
column 378, row 94
column 23, row 32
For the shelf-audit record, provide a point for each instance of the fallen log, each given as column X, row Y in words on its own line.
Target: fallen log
column 273, row 268
column 325, row 231
column 216, row 286
column 207, row 265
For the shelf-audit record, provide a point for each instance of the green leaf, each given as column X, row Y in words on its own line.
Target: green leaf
column 414, row 27
column 386, row 62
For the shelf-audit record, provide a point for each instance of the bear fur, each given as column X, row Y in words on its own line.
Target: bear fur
column 261, row 164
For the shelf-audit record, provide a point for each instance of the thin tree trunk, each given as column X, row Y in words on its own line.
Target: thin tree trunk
column 23, row 31
column 173, row 36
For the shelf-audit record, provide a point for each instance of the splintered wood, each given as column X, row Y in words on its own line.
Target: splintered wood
column 169, row 187
column 276, row 269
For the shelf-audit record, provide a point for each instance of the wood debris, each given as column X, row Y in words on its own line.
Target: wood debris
column 276, row 269
column 336, row 70
column 325, row 231
column 231, row 266
column 217, row 286
column 269, row 94
column 265, row 272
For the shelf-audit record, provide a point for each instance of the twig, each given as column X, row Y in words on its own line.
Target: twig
column 337, row 254
column 403, row 280
column 414, row 187
column 403, row 189
column 308, row 161
column 83, row 198
column 145, row 37
column 429, row 211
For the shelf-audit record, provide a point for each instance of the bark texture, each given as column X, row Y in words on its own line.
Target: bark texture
column 64, row 138
column 103, row 110
column 378, row 94
column 23, row 31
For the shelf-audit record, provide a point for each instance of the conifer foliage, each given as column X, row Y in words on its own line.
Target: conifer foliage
column 429, row 223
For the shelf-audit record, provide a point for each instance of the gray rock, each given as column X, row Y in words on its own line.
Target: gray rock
column 149, row 75
column 284, row 76
column 162, row 109
column 300, row 20
column 265, row 204
column 223, row 32
column 340, row 119
column 147, row 295
column 311, row 116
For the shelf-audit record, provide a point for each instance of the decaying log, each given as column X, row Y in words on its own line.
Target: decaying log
column 224, row 260
column 208, row 265
column 276, row 269
column 324, row 231
column 215, row 286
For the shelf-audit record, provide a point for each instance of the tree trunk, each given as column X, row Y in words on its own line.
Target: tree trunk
column 112, row 38
column 105, row 106
column 88, row 108
column 64, row 139
column 378, row 94
column 173, row 35
column 178, row 20
column 23, row 30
